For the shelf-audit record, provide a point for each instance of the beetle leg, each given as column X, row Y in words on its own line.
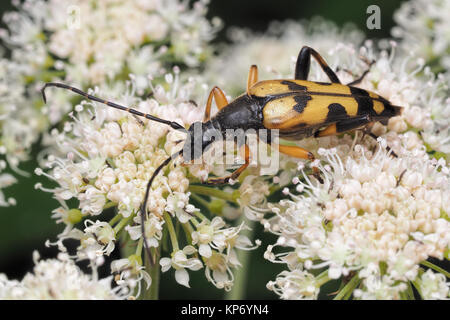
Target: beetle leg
column 252, row 77
column 361, row 78
column 298, row 152
column 219, row 97
column 304, row 62
column 246, row 151
column 364, row 123
column 328, row 131
column 374, row 136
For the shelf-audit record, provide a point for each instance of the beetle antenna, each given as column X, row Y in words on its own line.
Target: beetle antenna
column 144, row 203
column 172, row 124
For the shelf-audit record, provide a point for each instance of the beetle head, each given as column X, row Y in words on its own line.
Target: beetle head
column 200, row 137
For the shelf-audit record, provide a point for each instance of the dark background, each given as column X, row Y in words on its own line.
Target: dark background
column 25, row 227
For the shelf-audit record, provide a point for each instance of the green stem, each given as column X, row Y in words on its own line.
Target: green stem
column 416, row 285
column 435, row 268
column 116, row 218
column 322, row 278
column 347, row 290
column 139, row 247
column 122, row 223
column 154, row 271
column 201, row 216
column 241, row 275
column 212, row 192
column 188, row 231
column 410, row 292
column 194, row 222
column 126, row 248
column 200, row 200
column 171, row 229
column 109, row 205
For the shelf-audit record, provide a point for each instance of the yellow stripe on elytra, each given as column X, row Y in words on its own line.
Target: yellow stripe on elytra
column 276, row 87
column 372, row 94
column 327, row 88
column 378, row 106
column 280, row 113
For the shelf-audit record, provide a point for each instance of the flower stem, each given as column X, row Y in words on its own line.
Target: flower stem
column 239, row 288
column 416, row 285
column 171, row 229
column 116, row 218
column 347, row 290
column 188, row 231
column 139, row 247
column 200, row 200
column 154, row 271
column 435, row 268
column 212, row 192
column 201, row 216
column 322, row 278
column 410, row 292
column 122, row 223
column 109, row 205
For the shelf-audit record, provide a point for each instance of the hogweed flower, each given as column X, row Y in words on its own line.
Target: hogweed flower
column 375, row 217
column 129, row 272
column 423, row 28
column 104, row 158
column 180, row 262
column 373, row 223
column 85, row 44
column 58, row 279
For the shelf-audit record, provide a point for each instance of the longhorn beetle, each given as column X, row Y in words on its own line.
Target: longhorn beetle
column 298, row 108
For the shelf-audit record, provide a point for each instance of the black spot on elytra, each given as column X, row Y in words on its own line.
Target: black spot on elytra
column 350, row 124
column 336, row 111
column 389, row 111
column 302, row 101
column 365, row 102
column 323, row 83
column 293, row 86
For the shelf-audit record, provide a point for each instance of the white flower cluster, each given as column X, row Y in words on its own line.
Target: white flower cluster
column 424, row 29
column 58, row 279
column 87, row 43
column 380, row 213
column 108, row 158
column 372, row 210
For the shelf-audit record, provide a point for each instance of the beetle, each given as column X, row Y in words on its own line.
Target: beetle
column 298, row 108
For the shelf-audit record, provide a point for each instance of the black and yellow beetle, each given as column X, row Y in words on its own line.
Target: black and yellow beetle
column 298, row 108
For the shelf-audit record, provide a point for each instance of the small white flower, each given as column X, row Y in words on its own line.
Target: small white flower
column 295, row 285
column 129, row 273
column 58, row 279
column 433, row 286
column 180, row 262
column 177, row 204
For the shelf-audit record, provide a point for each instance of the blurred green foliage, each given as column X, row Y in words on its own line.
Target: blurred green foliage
column 26, row 226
